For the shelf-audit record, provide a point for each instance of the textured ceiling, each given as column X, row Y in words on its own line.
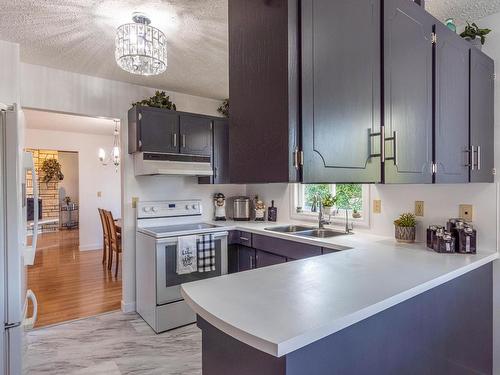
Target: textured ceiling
column 78, row 36
column 67, row 123
column 462, row 10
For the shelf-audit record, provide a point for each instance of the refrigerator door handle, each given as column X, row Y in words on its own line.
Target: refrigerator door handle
column 29, row 254
column 29, row 323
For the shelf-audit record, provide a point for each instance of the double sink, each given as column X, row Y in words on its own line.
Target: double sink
column 305, row 231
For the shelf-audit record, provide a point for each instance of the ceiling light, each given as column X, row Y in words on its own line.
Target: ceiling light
column 141, row 49
column 114, row 156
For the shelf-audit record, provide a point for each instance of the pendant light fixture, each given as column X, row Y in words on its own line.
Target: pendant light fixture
column 114, row 156
column 140, row 48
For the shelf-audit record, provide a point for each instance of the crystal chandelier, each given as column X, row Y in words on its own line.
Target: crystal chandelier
column 140, row 48
column 114, row 156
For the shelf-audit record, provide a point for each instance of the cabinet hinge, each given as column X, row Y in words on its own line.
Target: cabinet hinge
column 494, row 171
column 494, row 76
column 298, row 158
column 434, row 38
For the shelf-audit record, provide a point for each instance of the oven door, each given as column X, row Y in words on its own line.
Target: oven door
column 168, row 282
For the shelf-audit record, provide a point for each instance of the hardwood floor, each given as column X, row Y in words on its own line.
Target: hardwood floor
column 69, row 283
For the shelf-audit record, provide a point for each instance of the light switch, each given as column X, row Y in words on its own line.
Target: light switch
column 377, row 206
column 135, row 200
column 99, row 194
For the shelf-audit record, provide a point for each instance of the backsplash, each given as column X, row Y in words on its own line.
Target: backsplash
column 441, row 202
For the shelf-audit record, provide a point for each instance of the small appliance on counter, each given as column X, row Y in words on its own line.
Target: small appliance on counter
column 241, row 210
column 220, row 207
column 272, row 213
column 260, row 209
column 456, row 237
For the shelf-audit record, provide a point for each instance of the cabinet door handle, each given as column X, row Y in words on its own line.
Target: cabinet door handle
column 215, row 172
column 244, row 239
column 175, row 140
column 184, row 141
column 394, row 140
column 371, row 146
column 478, row 158
column 470, row 157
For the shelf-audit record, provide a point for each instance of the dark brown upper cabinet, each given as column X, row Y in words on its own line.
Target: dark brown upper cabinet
column 220, row 154
column 264, row 90
column 451, row 135
column 341, row 91
column 482, row 72
column 408, row 99
column 153, row 130
column 195, row 135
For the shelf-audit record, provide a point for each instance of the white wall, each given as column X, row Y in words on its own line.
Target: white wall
column 492, row 48
column 92, row 178
column 69, row 168
column 9, row 73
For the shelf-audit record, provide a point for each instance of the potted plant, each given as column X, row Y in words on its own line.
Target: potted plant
column 475, row 35
column 405, row 228
column 51, row 171
column 159, row 100
column 224, row 108
column 328, row 201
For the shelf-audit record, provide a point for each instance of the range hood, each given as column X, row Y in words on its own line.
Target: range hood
column 152, row 164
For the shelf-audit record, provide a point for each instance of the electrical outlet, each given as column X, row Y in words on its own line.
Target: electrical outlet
column 419, row 208
column 466, row 211
column 135, row 200
column 377, row 206
column 99, row 194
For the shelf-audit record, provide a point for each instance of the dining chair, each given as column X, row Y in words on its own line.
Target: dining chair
column 115, row 241
column 105, row 236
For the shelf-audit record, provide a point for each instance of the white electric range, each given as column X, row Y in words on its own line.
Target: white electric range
column 159, row 226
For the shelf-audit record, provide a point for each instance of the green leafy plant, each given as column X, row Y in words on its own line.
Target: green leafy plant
column 51, row 170
column 472, row 31
column 159, row 100
column 224, row 108
column 329, row 200
column 406, row 220
column 349, row 196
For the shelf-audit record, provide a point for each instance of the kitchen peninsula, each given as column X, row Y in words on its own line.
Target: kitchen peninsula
column 379, row 308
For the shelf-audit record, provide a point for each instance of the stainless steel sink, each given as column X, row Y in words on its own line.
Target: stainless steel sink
column 319, row 233
column 289, row 229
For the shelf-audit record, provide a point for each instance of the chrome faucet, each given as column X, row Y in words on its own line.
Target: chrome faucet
column 321, row 221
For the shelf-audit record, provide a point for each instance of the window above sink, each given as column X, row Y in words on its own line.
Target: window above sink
column 351, row 196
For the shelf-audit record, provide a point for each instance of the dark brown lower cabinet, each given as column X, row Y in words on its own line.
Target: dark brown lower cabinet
column 246, row 258
column 264, row 259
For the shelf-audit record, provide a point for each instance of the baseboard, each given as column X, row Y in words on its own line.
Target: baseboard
column 128, row 307
column 97, row 246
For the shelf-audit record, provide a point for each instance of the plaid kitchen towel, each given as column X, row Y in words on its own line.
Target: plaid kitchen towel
column 206, row 253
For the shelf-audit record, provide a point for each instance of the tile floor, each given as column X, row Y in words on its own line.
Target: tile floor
column 112, row 344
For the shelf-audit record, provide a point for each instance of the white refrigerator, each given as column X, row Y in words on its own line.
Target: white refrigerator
column 15, row 252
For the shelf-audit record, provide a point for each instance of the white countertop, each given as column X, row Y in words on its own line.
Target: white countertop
column 282, row 308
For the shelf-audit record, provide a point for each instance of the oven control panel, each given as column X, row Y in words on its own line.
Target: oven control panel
column 169, row 209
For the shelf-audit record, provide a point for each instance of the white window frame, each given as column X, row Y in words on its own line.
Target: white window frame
column 296, row 192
